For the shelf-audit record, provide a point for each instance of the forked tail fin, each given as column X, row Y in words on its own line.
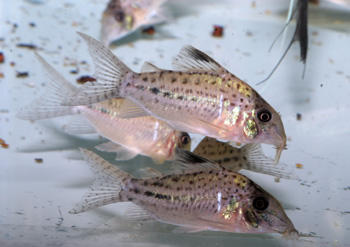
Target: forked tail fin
column 49, row 104
column 109, row 72
column 106, row 187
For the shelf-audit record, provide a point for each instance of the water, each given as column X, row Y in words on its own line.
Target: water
column 36, row 196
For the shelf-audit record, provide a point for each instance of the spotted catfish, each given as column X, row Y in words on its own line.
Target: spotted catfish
column 249, row 157
column 213, row 199
column 129, row 137
column 122, row 17
column 199, row 97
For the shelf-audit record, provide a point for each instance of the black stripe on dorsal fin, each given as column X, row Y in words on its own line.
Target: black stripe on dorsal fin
column 192, row 59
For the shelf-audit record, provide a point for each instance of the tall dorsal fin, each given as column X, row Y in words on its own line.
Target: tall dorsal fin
column 192, row 59
column 149, row 67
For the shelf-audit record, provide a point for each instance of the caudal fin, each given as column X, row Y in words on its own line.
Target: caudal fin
column 109, row 72
column 49, row 104
column 258, row 162
column 106, row 187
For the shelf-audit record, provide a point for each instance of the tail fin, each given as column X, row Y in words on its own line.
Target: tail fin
column 49, row 104
column 106, row 187
column 109, row 72
column 258, row 162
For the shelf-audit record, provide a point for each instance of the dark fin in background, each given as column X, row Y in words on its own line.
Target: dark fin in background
column 300, row 34
column 186, row 161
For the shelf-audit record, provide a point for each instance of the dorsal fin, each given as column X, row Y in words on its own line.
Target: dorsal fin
column 192, row 59
column 149, row 67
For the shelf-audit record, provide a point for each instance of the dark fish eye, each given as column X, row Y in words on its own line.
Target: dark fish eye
column 185, row 138
column 260, row 203
column 119, row 16
column 264, row 115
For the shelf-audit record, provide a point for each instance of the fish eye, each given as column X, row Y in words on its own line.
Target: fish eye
column 260, row 203
column 119, row 16
column 185, row 138
column 264, row 115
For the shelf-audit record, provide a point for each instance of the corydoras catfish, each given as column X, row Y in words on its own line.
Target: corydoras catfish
column 199, row 97
column 249, row 157
column 122, row 17
column 213, row 199
column 129, row 137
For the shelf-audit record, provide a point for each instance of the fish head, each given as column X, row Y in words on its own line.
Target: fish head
column 116, row 23
column 264, row 125
column 184, row 141
column 262, row 213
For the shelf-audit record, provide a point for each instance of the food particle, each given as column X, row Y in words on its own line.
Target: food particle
column 22, row 74
column 299, row 116
column 3, row 143
column 25, row 45
column 299, row 166
column 218, row 31
column 39, row 160
column 1, row 75
column 85, row 78
column 2, row 57
column 149, row 30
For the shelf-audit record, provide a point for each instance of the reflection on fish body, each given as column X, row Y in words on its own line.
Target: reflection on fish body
column 207, row 199
column 122, row 17
column 142, row 135
column 199, row 97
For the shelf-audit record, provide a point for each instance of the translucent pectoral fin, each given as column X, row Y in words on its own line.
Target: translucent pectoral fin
column 129, row 109
column 122, row 153
column 79, row 126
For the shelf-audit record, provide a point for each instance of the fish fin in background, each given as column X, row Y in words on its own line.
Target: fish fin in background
column 122, row 153
column 79, row 127
column 186, row 161
column 148, row 172
column 158, row 15
column 258, row 162
column 192, row 59
column 106, row 187
column 149, row 67
column 300, row 34
column 129, row 109
column 109, row 73
column 49, row 104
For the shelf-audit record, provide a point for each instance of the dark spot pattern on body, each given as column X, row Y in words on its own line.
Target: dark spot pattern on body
column 155, row 90
column 140, row 87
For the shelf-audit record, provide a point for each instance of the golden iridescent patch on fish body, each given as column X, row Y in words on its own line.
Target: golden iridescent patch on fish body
column 200, row 97
column 203, row 199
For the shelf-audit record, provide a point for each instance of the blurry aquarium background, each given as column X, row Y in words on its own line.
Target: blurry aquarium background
column 42, row 174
